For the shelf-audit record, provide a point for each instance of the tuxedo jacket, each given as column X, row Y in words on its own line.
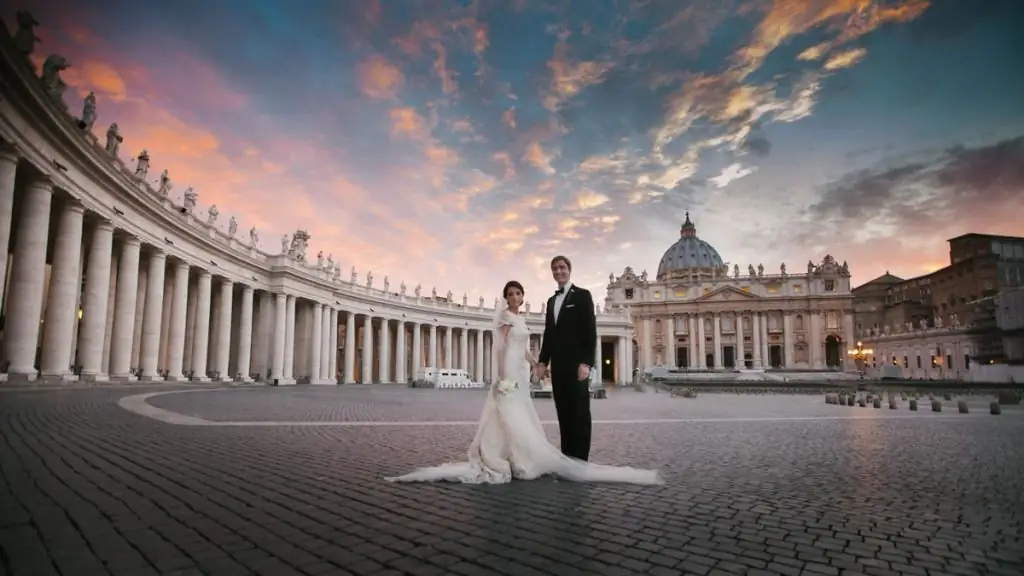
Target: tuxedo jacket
column 571, row 340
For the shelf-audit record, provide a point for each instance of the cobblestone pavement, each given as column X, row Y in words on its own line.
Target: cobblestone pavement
column 89, row 488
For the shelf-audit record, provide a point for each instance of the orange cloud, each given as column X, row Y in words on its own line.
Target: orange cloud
column 509, row 118
column 379, row 78
column 845, row 59
column 406, row 122
column 536, row 156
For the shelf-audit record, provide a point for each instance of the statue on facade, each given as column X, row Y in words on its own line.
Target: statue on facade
column 844, row 269
column 337, row 272
column 211, row 215
column 938, row 321
column 924, row 324
column 142, row 164
column 165, row 184
column 887, row 330
column 418, row 291
column 480, row 304
column 611, row 278
column 88, row 113
column 330, row 262
column 954, row 320
column 760, row 270
column 25, row 38
column 910, row 326
column 189, row 199
column 300, row 243
column 53, row 85
column 433, row 293
column 643, row 276
column 254, row 237
column 527, row 308
column 735, row 270
column 114, row 139
column 369, row 279
column 465, row 300
column 232, row 226
column 401, row 288
column 320, row 259
column 782, row 269
column 353, row 276
column 284, row 244
column 810, row 267
column 597, row 309
column 387, row 283
column 750, row 270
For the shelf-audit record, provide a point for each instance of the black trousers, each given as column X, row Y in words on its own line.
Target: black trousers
column 572, row 404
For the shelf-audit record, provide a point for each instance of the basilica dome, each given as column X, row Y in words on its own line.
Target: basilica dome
column 687, row 253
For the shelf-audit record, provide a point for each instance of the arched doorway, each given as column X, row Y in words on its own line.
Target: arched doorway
column 833, row 351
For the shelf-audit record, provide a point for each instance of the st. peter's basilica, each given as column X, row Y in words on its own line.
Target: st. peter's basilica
column 697, row 314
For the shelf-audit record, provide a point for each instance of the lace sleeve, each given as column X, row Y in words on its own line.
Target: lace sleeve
column 501, row 319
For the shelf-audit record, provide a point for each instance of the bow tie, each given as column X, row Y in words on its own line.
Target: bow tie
column 559, row 291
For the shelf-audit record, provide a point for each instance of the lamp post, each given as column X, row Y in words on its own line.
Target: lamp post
column 860, row 355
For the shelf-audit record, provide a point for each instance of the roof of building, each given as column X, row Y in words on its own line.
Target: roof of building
column 688, row 252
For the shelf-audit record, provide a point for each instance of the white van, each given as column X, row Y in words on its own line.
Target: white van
column 443, row 378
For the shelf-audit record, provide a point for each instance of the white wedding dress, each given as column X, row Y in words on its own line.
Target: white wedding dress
column 510, row 440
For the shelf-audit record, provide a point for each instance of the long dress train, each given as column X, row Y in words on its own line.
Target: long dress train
column 510, row 440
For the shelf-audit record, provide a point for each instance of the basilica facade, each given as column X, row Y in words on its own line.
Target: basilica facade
column 107, row 276
column 697, row 313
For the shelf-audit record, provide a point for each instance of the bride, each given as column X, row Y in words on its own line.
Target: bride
column 510, row 440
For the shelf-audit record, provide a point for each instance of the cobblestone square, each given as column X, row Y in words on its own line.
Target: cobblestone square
column 276, row 481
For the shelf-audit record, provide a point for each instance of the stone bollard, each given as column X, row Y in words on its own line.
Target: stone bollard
column 936, row 406
column 903, row 396
column 913, row 404
column 995, row 409
column 831, row 399
column 892, row 403
column 947, row 396
column 861, row 403
column 961, row 406
column 851, row 400
column 878, row 403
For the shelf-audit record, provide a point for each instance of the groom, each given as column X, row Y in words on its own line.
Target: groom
column 570, row 336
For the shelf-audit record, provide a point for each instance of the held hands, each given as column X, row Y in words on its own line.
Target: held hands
column 583, row 372
column 540, row 371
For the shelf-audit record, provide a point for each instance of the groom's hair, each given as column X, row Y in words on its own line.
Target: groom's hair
column 561, row 258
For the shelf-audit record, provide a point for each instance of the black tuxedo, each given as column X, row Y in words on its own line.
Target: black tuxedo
column 567, row 343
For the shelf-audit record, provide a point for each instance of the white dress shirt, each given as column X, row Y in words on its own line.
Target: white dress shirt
column 560, row 299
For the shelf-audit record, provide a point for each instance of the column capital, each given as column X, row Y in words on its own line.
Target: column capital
column 182, row 264
column 41, row 181
column 204, row 273
column 157, row 253
column 104, row 224
column 9, row 152
column 73, row 205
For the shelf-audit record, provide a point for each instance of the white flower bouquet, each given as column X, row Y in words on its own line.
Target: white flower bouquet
column 506, row 387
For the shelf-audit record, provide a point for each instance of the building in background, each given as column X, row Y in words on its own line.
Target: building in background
column 698, row 314
column 958, row 322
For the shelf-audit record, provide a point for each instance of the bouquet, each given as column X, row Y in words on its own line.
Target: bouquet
column 506, row 387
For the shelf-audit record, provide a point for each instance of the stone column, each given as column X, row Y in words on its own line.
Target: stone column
column 755, row 326
column 417, row 349
column 62, row 297
column 244, row 356
column 8, row 171
column 123, row 331
column 179, row 316
column 595, row 374
column 316, row 336
column 814, row 339
column 384, row 352
column 718, row 342
column 366, row 366
column 350, row 347
column 280, row 318
column 478, row 369
column 850, row 340
column 332, row 362
column 620, row 361
column 28, row 274
column 223, row 365
column 670, row 342
column 788, row 354
column 140, row 309
column 152, row 315
column 464, row 349
column 647, row 351
column 108, row 311
column 400, row 357
column 448, row 347
column 201, row 329
column 629, row 360
column 325, row 346
column 97, row 298
column 432, row 345
column 165, row 324
column 289, row 339
column 694, row 347
column 765, row 357
column 702, row 344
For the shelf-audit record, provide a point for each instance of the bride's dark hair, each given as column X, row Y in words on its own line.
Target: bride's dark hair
column 511, row 284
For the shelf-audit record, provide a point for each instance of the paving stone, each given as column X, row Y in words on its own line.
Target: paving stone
column 754, row 487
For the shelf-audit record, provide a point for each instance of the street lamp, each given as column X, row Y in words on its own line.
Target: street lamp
column 860, row 355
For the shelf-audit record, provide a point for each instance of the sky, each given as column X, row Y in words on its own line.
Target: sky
column 457, row 144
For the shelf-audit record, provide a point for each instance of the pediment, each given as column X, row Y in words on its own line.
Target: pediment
column 726, row 294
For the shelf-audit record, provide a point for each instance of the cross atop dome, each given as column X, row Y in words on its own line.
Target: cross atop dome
column 688, row 230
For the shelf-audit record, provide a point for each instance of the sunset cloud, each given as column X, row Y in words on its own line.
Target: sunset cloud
column 460, row 144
